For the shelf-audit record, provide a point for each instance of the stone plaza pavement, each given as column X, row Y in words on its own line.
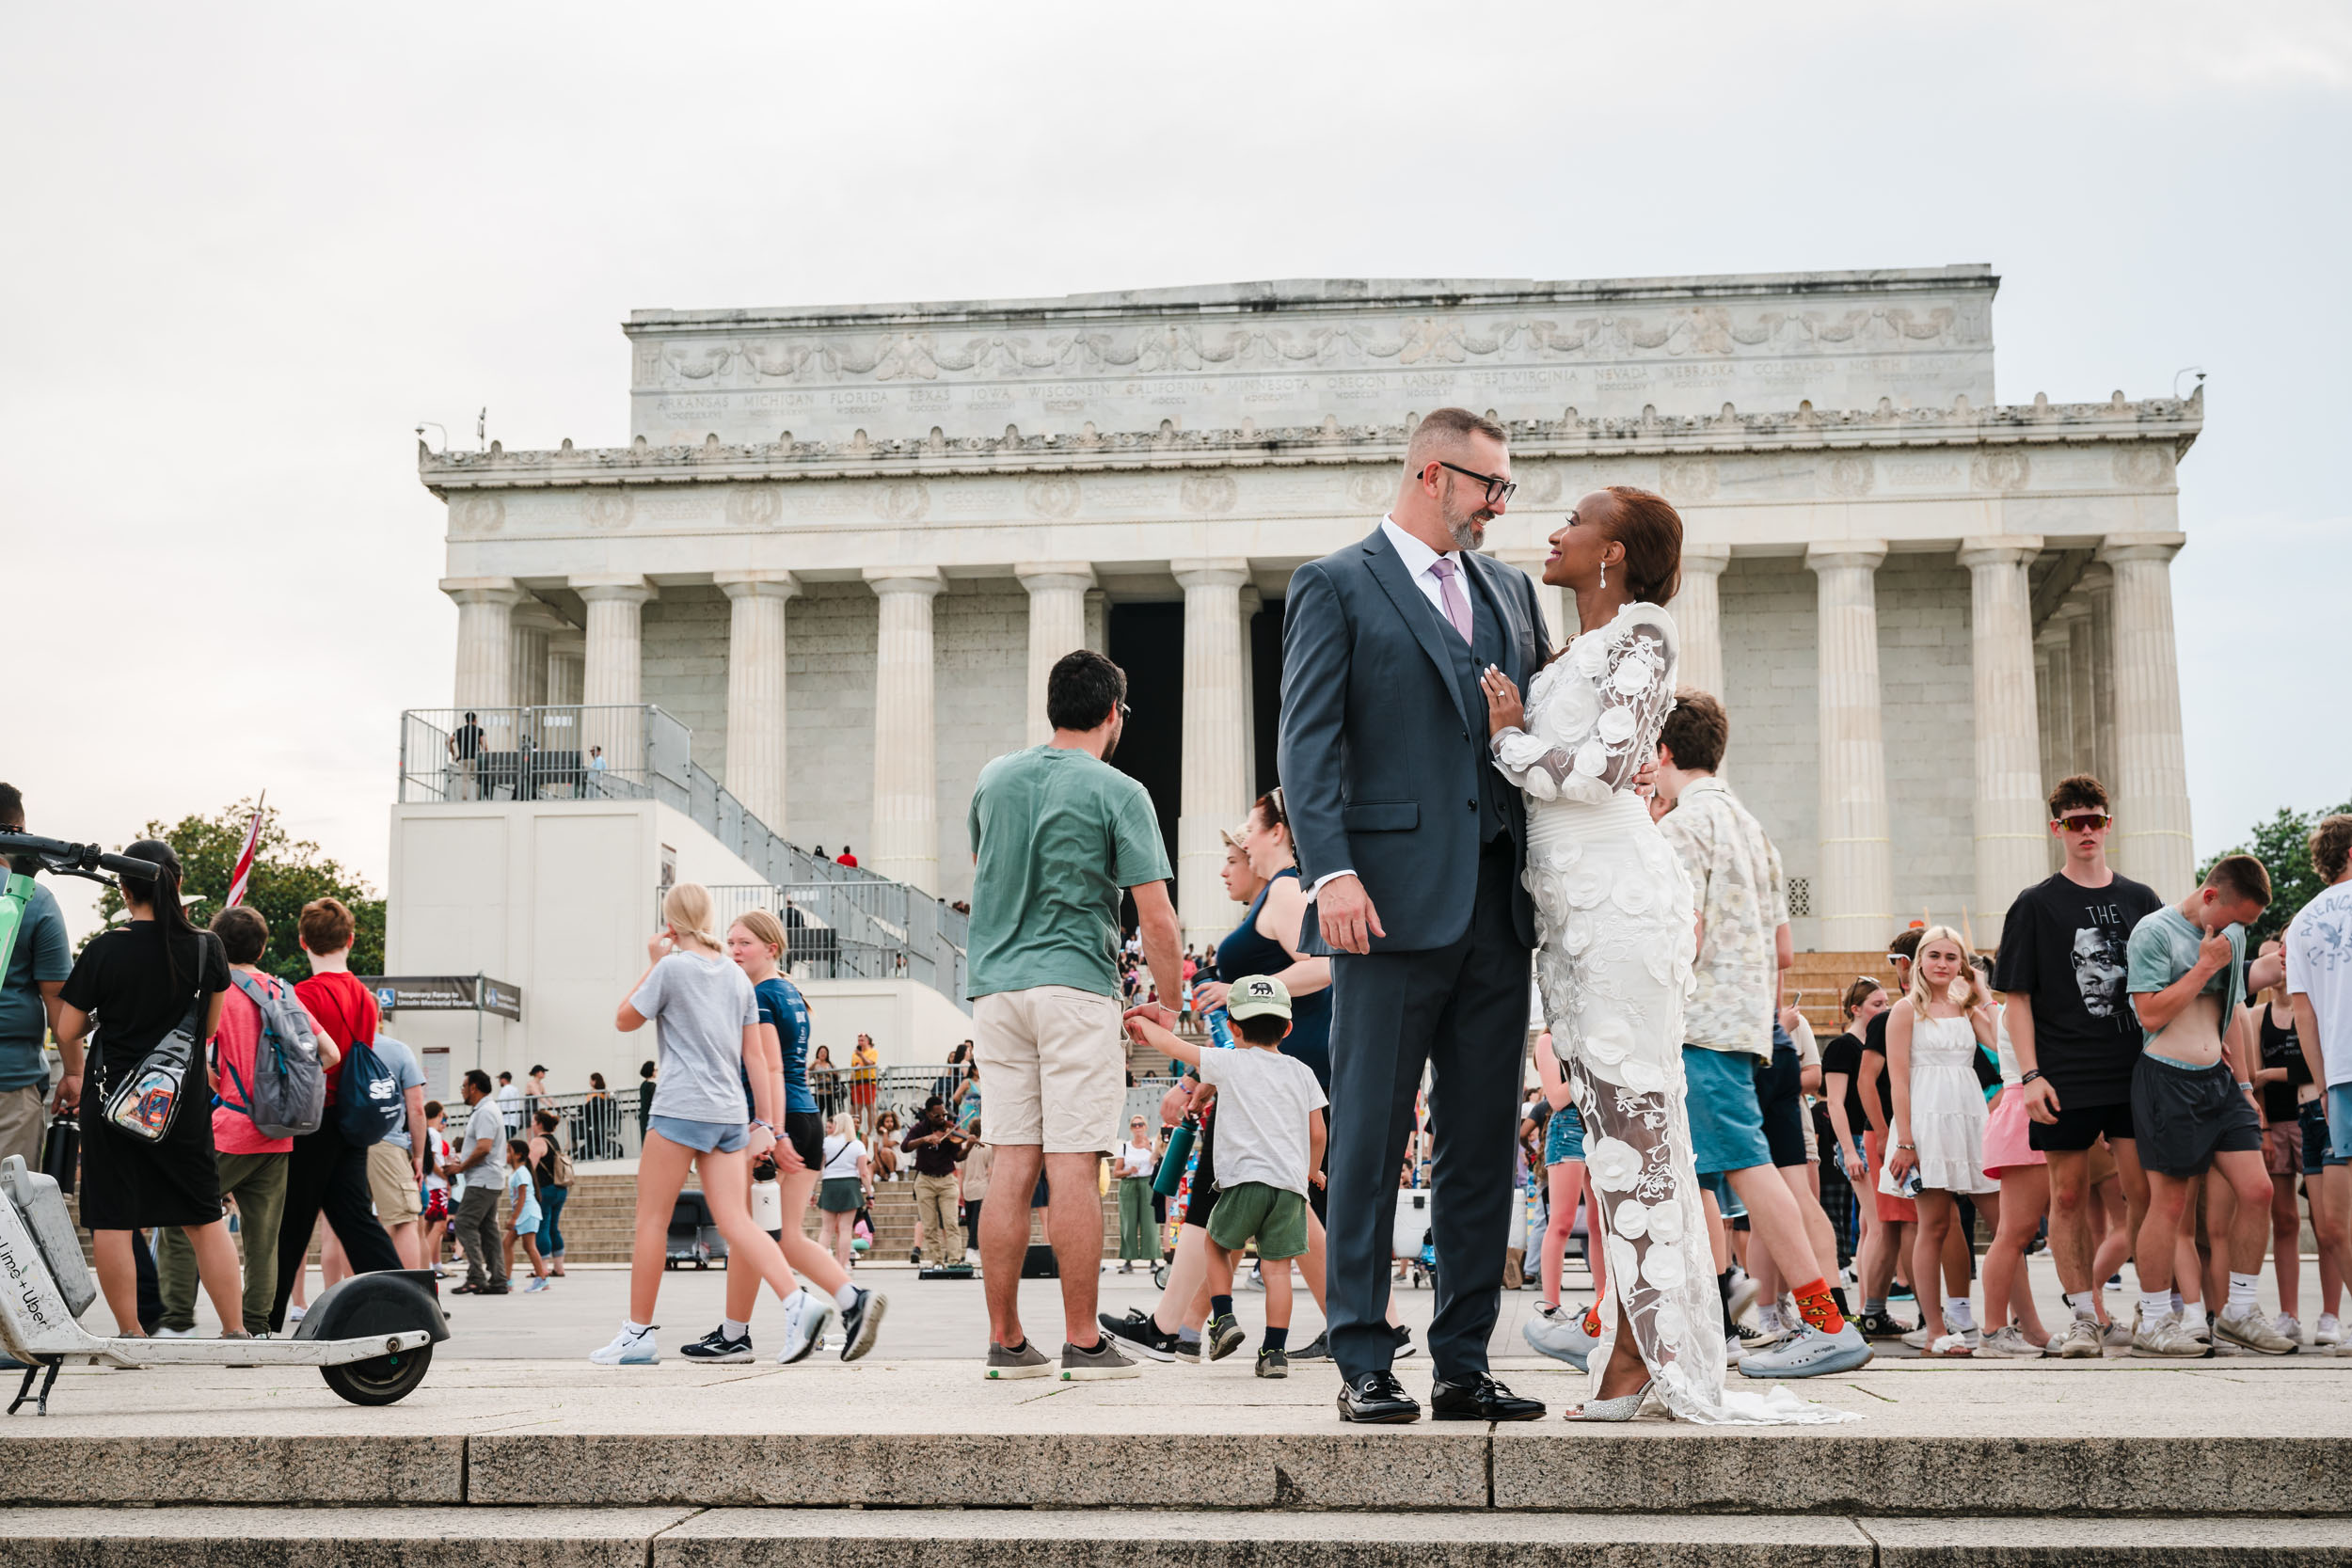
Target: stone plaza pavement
column 883, row 1461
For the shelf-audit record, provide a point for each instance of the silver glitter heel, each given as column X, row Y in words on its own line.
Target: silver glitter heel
column 1623, row 1408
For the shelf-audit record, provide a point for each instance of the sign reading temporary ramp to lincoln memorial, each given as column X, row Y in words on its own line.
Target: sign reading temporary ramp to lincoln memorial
column 445, row 993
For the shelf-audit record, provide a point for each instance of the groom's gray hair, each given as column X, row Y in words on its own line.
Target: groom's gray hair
column 1447, row 430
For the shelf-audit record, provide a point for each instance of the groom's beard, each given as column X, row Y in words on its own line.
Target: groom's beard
column 1466, row 529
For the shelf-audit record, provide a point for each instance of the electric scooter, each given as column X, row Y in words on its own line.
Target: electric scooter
column 370, row 1336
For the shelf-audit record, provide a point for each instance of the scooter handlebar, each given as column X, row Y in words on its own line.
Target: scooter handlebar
column 56, row 854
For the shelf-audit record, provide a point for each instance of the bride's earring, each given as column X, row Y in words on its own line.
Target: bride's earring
column 1604, row 574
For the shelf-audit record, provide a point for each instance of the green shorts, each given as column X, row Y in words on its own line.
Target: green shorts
column 1275, row 1218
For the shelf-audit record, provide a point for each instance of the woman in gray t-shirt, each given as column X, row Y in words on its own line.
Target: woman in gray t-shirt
column 707, row 1022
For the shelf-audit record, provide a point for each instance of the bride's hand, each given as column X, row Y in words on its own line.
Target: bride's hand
column 1503, row 708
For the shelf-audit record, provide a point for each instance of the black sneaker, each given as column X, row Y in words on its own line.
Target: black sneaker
column 860, row 1322
column 1224, row 1336
column 1273, row 1362
column 1881, row 1326
column 1187, row 1351
column 1316, row 1349
column 914, row 1254
column 716, row 1346
column 1404, row 1345
column 1139, row 1331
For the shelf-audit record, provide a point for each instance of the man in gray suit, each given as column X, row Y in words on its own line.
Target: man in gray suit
column 1412, row 845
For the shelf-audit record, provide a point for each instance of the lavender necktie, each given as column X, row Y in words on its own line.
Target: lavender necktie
column 1450, row 595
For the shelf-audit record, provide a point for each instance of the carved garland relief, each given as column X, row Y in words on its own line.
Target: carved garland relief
column 1177, row 348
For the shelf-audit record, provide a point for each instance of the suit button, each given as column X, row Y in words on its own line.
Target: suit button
column 1473, row 805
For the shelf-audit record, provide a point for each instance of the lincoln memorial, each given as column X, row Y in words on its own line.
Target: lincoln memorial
column 844, row 543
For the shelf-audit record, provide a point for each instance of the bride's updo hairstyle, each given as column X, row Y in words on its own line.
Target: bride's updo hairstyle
column 1651, row 531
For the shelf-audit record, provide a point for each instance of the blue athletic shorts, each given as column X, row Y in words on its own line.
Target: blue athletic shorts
column 1727, row 1118
column 2317, row 1155
column 704, row 1137
column 1564, row 1136
column 2340, row 1124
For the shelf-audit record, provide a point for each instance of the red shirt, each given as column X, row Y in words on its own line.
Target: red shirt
column 344, row 1011
column 847, row 859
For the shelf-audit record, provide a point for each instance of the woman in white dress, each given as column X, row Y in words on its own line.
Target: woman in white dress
column 1931, row 1039
column 1616, row 937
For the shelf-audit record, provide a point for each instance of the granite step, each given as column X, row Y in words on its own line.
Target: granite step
column 829, row 1538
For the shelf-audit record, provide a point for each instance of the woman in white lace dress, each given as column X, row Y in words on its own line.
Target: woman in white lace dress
column 1617, row 934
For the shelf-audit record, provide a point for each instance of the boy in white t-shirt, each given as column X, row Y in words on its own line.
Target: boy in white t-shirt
column 2319, row 990
column 1269, row 1145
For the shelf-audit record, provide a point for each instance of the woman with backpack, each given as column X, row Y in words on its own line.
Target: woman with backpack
column 552, row 1172
column 326, row 1172
column 141, row 983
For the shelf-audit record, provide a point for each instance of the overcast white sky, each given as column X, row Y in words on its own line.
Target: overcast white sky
column 249, row 247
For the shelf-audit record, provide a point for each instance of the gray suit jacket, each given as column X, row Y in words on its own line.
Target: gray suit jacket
column 1381, row 748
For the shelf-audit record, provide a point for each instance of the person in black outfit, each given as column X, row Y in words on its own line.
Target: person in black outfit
column 138, row 983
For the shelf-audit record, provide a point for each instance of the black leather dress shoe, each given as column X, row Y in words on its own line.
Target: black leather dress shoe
column 1378, row 1397
column 1481, row 1398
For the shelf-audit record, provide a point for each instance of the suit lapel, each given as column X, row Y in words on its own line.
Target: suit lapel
column 1510, row 622
column 1388, row 570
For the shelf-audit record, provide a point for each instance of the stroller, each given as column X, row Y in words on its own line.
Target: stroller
column 1412, row 1242
column 693, row 1239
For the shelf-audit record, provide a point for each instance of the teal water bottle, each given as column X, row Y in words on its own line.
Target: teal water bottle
column 1179, row 1156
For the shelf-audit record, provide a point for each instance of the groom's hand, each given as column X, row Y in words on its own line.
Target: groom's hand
column 1349, row 921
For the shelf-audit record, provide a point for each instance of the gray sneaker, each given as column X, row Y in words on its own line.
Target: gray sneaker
column 1224, row 1336
column 1101, row 1363
column 1809, row 1353
column 1559, row 1334
column 2168, row 1335
column 2116, row 1336
column 2079, row 1341
column 1028, row 1361
column 2254, row 1332
column 2009, row 1341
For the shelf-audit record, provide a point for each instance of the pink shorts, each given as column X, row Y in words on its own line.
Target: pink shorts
column 2005, row 1142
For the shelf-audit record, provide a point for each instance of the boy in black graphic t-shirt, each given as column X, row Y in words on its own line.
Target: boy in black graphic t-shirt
column 2061, row 971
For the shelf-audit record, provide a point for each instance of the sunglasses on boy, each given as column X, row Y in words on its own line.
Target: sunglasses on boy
column 2085, row 821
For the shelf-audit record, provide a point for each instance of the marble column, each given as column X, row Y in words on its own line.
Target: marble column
column 486, row 630
column 2151, row 784
column 1854, row 896
column 905, row 840
column 611, row 677
column 1099, row 621
column 2054, row 699
column 1698, row 611
column 2097, row 584
column 2010, row 837
column 1057, row 627
column 567, row 650
column 755, row 681
column 534, row 622
column 1251, row 603
column 1559, row 624
column 1216, row 718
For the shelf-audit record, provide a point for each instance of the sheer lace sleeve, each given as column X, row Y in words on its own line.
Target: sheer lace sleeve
column 1627, row 669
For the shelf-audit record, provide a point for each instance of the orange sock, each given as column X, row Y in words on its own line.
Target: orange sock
column 1592, row 1321
column 1815, row 1306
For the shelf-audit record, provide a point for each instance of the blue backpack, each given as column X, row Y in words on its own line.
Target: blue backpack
column 369, row 1104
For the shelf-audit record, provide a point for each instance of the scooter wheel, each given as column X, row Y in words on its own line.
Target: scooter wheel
column 381, row 1380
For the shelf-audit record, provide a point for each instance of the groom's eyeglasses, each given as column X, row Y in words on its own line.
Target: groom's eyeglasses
column 1497, row 489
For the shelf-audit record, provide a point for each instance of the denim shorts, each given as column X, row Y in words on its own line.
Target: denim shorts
column 704, row 1137
column 2340, row 1124
column 1564, row 1136
column 1727, row 1118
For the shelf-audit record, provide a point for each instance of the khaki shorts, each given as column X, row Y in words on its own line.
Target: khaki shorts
column 392, row 1182
column 1053, row 1069
column 23, row 1123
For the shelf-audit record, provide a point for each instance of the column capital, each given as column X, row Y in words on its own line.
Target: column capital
column 925, row 580
column 505, row 590
column 535, row 615
column 1042, row 576
column 613, row 588
column 2013, row 549
column 1705, row 560
column 756, row 585
column 1867, row 553
column 1227, row 571
column 2140, row 547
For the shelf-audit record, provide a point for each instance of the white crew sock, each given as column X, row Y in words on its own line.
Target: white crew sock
column 2242, row 1293
column 627, row 1327
column 844, row 1297
column 2177, row 1304
column 2085, row 1305
column 2154, row 1307
column 1958, row 1315
column 730, row 1329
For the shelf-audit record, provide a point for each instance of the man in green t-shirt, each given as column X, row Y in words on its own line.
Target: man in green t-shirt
column 1057, row 834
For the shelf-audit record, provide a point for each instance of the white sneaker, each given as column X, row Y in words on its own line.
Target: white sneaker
column 2253, row 1332
column 1967, row 1338
column 1559, row 1334
column 2288, row 1328
column 293, row 1314
column 1743, row 1294
column 629, row 1349
column 2328, row 1331
column 805, row 1315
column 2078, row 1340
column 162, row 1333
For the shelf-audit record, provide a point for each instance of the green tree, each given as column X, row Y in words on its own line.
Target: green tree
column 2282, row 844
column 287, row 873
